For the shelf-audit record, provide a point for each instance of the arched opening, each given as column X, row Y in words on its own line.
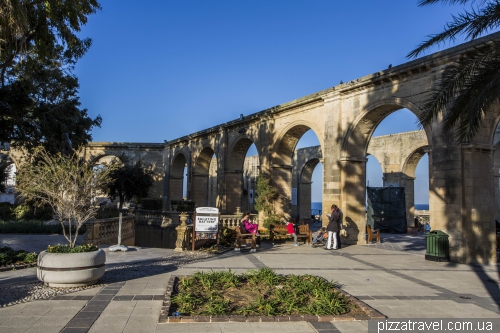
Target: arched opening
column 399, row 146
column 250, row 173
column 236, row 180
column 370, row 124
column 177, row 184
column 202, row 190
column 307, row 183
column 292, row 170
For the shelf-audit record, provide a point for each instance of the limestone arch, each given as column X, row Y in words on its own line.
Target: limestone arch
column 353, row 158
column 282, row 160
column 355, row 143
column 305, row 188
column 201, row 182
column 234, row 172
column 282, row 152
column 176, row 180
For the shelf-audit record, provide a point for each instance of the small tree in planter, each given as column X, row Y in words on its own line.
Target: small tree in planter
column 66, row 184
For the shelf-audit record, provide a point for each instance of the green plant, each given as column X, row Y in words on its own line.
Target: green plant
column 6, row 211
column 204, row 293
column 66, row 248
column 152, row 204
column 10, row 256
column 34, row 227
column 183, row 205
column 265, row 198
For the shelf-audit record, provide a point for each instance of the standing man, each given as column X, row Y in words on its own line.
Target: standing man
column 333, row 228
column 341, row 217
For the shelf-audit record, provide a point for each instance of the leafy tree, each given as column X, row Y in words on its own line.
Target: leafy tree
column 131, row 180
column 265, row 198
column 41, row 105
column 65, row 183
column 38, row 93
column 470, row 86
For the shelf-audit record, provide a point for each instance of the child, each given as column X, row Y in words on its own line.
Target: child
column 291, row 230
column 319, row 236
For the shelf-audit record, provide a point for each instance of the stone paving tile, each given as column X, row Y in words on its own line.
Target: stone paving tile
column 139, row 327
column 59, row 321
column 20, row 321
column 12, row 329
column 46, row 329
column 121, row 312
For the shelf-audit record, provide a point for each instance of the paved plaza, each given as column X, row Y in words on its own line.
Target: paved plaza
column 393, row 277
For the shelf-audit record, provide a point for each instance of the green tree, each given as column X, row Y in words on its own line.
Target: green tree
column 265, row 198
column 38, row 94
column 469, row 87
column 66, row 184
column 129, row 181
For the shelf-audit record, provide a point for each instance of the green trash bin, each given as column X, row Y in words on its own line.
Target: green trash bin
column 438, row 246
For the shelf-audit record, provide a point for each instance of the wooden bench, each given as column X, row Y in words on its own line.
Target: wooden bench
column 303, row 232
column 245, row 239
column 372, row 234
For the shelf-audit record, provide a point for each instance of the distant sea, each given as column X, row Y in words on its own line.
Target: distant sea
column 316, row 208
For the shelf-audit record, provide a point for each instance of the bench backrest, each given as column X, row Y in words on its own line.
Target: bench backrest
column 304, row 229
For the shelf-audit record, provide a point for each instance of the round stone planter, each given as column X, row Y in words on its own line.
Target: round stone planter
column 70, row 269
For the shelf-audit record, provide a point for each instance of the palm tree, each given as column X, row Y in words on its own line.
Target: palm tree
column 471, row 85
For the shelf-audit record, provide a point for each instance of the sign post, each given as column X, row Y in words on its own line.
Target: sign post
column 206, row 224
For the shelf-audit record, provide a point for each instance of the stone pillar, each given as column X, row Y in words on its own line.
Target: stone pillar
column 200, row 188
column 305, row 200
column 281, row 178
column 409, row 184
column 353, row 176
column 479, row 232
column 182, row 241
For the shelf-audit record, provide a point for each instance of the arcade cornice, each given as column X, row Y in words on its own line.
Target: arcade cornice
column 396, row 73
column 124, row 145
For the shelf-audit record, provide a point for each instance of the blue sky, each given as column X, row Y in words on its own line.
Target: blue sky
column 158, row 70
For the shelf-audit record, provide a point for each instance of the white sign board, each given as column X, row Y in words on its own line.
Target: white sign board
column 207, row 219
column 294, row 196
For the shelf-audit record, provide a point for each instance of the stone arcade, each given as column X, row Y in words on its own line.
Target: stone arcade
column 463, row 179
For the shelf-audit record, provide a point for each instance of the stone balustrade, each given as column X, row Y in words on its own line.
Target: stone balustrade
column 105, row 231
column 158, row 217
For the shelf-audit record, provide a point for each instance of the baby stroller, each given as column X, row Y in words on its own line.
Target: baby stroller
column 320, row 240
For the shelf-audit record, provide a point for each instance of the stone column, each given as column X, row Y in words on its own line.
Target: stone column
column 479, row 232
column 353, row 199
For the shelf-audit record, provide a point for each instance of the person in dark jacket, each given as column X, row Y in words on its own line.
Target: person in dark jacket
column 333, row 228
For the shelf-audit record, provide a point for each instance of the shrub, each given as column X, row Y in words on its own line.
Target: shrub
column 152, row 204
column 6, row 211
column 66, row 248
column 33, row 227
column 183, row 205
column 10, row 256
column 30, row 211
column 107, row 212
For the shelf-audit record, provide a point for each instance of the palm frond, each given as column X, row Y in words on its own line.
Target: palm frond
column 465, row 91
column 471, row 24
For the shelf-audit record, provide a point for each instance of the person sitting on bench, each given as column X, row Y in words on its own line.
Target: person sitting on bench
column 251, row 228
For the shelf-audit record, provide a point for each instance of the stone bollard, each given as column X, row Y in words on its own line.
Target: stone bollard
column 181, row 243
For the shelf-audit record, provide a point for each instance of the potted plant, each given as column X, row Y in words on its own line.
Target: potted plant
column 66, row 184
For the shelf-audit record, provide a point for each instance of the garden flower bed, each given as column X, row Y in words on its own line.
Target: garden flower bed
column 259, row 295
column 15, row 259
